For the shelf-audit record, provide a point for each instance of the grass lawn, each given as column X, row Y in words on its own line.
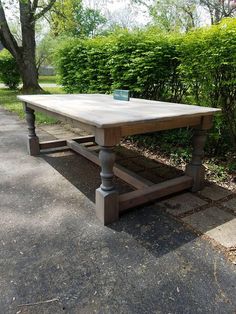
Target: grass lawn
column 48, row 79
column 9, row 101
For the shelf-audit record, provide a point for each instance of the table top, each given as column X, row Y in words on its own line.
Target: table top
column 103, row 111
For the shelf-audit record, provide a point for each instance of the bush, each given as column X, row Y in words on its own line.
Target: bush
column 208, row 69
column 143, row 62
column 196, row 68
column 146, row 63
column 9, row 73
column 70, row 57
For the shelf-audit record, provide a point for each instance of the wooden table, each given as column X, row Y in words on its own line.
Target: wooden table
column 109, row 120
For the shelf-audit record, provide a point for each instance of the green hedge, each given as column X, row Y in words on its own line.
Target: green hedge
column 9, row 73
column 143, row 62
column 146, row 63
column 208, row 70
column 196, row 68
column 83, row 67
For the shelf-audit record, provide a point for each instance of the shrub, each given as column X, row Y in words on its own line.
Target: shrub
column 208, row 69
column 143, row 62
column 146, row 63
column 83, row 65
column 9, row 73
column 196, row 68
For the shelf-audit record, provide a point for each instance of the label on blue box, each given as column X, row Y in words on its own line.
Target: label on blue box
column 120, row 94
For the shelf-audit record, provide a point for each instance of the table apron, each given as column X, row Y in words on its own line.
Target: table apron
column 149, row 127
column 63, row 118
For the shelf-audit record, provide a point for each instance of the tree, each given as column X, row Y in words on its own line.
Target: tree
column 44, row 51
column 219, row 9
column 172, row 15
column 70, row 17
column 175, row 15
column 30, row 11
column 89, row 21
column 125, row 17
column 62, row 18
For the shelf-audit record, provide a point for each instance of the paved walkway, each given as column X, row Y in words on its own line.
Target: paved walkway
column 57, row 258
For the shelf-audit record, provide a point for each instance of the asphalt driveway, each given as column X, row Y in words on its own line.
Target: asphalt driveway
column 57, row 258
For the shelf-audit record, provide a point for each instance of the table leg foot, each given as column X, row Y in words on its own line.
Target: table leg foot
column 198, row 175
column 33, row 146
column 107, row 202
column 107, row 209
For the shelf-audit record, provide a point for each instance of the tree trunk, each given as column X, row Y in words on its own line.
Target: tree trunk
column 217, row 14
column 30, row 11
column 27, row 63
column 29, row 73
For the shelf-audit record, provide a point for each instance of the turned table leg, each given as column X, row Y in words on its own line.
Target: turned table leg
column 107, row 206
column 195, row 169
column 33, row 141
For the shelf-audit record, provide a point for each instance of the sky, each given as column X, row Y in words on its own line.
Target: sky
column 112, row 9
column 120, row 11
column 138, row 13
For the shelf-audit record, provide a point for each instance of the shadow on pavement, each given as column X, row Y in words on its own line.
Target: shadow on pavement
column 149, row 225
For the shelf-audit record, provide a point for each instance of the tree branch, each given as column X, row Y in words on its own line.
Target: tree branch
column 44, row 10
column 6, row 37
column 35, row 5
column 187, row 9
column 143, row 2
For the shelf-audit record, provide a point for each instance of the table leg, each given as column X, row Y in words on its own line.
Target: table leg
column 33, row 141
column 195, row 169
column 107, row 202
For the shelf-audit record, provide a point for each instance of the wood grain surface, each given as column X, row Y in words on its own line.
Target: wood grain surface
column 103, row 111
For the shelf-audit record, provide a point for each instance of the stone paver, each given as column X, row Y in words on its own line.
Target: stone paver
column 181, row 203
column 57, row 131
column 214, row 192
column 216, row 223
column 231, row 204
column 52, row 247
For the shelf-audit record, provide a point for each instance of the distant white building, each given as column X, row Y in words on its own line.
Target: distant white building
column 46, row 70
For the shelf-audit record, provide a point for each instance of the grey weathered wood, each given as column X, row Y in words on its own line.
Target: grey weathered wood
column 131, row 178
column 64, row 118
column 103, row 111
column 107, row 207
column 148, row 127
column 107, row 159
column 108, row 136
column 85, row 139
column 126, row 175
column 149, row 194
column 59, row 143
column 195, row 169
column 93, row 148
column 109, row 120
column 52, row 144
column 80, row 149
column 33, row 141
